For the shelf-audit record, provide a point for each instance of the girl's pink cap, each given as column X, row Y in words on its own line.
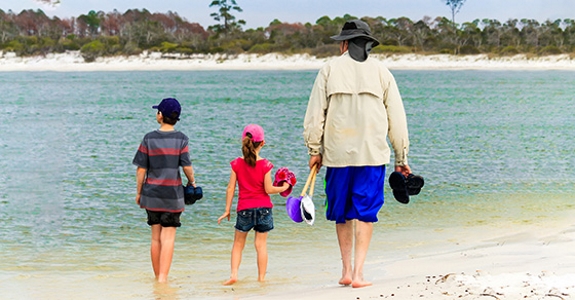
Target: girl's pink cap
column 256, row 131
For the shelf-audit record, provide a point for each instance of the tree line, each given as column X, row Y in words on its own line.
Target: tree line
column 95, row 34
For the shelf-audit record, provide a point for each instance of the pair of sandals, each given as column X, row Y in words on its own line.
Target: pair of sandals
column 192, row 194
column 403, row 187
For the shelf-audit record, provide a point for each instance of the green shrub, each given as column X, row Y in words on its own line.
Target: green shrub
column 131, row 48
column 509, row 50
column 391, row 49
column 216, row 49
column 236, row 46
column 184, row 50
column 155, row 49
column 168, row 47
column 69, row 44
column 92, row 50
column 326, row 51
column 262, row 48
column 233, row 51
column 110, row 40
column 550, row 50
column 114, row 49
column 30, row 45
column 14, row 46
column 468, row 49
column 48, row 45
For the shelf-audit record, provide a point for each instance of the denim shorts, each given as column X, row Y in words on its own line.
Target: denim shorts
column 260, row 219
column 166, row 219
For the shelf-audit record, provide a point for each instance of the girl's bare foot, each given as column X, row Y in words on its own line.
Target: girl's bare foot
column 230, row 281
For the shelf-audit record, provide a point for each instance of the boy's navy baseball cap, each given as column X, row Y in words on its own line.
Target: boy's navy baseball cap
column 168, row 107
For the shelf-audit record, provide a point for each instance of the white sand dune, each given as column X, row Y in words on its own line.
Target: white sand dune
column 73, row 61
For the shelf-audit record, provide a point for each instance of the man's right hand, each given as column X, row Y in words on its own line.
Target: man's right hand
column 315, row 160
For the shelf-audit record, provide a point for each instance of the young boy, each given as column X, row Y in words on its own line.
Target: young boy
column 159, row 184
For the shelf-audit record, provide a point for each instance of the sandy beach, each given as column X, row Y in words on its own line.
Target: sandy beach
column 494, row 250
column 73, row 61
column 483, row 262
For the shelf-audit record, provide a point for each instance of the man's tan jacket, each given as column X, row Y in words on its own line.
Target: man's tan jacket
column 353, row 108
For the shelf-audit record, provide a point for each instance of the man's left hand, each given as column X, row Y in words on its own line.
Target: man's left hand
column 405, row 170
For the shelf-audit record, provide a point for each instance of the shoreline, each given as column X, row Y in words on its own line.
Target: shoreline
column 518, row 262
column 72, row 61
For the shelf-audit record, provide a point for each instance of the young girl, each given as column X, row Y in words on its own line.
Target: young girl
column 252, row 173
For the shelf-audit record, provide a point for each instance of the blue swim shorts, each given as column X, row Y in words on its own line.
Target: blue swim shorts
column 260, row 219
column 354, row 193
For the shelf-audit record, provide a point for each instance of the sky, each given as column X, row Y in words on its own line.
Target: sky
column 259, row 13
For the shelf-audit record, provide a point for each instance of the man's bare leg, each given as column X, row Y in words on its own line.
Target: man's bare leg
column 345, row 239
column 363, row 233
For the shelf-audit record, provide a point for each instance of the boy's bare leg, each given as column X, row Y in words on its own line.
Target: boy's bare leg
column 168, row 239
column 155, row 248
column 363, row 232
column 237, row 248
column 345, row 239
column 260, row 243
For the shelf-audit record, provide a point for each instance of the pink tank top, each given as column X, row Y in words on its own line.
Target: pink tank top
column 252, row 192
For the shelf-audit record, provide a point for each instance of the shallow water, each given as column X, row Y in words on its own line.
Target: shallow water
column 495, row 147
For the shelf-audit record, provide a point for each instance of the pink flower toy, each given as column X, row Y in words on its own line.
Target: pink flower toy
column 284, row 175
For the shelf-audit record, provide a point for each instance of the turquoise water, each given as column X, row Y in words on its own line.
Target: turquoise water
column 495, row 147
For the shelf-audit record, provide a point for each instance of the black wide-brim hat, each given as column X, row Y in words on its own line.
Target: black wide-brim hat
column 354, row 29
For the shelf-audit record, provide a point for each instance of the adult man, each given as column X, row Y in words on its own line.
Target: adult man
column 353, row 108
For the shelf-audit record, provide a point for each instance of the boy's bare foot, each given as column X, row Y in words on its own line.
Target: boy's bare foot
column 360, row 283
column 230, row 281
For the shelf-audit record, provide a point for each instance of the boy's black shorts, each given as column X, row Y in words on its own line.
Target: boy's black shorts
column 166, row 219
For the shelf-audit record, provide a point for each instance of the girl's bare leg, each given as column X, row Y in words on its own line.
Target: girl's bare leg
column 260, row 243
column 237, row 248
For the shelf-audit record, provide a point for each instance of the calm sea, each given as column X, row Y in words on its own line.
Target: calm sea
column 495, row 147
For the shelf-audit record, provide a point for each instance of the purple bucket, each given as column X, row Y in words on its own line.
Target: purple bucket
column 293, row 208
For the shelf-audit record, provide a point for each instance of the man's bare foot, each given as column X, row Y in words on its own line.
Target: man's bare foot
column 230, row 281
column 345, row 280
column 346, row 277
column 360, row 283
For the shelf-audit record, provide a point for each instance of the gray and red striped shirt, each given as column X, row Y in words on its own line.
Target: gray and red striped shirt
column 162, row 153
